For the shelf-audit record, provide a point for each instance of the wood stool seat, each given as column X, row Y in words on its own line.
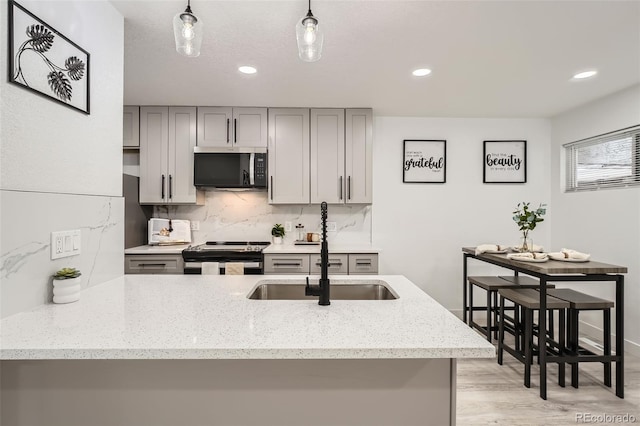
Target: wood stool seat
column 581, row 301
column 530, row 299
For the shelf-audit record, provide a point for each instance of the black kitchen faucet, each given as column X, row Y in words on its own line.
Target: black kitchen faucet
column 322, row 289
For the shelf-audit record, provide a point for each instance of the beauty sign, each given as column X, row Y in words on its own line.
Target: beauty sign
column 505, row 162
column 424, row 161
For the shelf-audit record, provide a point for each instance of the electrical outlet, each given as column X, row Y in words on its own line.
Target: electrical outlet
column 65, row 243
column 195, row 225
column 287, row 227
column 331, row 227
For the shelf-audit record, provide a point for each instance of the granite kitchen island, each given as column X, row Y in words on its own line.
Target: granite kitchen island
column 166, row 350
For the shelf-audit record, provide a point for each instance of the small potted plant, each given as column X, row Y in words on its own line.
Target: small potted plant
column 66, row 285
column 278, row 232
column 527, row 219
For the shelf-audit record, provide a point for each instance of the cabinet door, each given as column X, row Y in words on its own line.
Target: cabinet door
column 359, row 155
column 154, row 147
column 131, row 127
column 250, row 127
column 327, row 156
column 182, row 140
column 214, row 126
column 153, row 264
column 286, row 264
column 289, row 156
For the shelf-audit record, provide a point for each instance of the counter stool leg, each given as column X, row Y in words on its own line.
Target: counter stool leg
column 551, row 328
column 489, row 326
column 501, row 332
column 495, row 314
column 574, row 346
column 528, row 343
column 516, row 325
column 607, row 346
column 470, row 297
column 561, row 333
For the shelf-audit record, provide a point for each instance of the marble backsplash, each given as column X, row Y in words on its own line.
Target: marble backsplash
column 28, row 218
column 247, row 215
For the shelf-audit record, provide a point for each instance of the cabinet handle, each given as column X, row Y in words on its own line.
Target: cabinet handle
column 340, row 187
column 330, row 264
column 367, row 263
column 235, row 130
column 162, row 187
column 271, row 186
column 152, row 264
column 298, row 264
column 170, row 187
column 349, row 188
column 227, row 130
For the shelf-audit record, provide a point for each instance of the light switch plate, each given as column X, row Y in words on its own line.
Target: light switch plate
column 65, row 243
column 195, row 225
column 331, row 227
column 287, row 227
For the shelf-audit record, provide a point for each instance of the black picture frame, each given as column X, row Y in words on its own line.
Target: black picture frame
column 504, row 161
column 424, row 161
column 57, row 68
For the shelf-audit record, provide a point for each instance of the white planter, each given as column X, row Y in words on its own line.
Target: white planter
column 66, row 291
column 277, row 240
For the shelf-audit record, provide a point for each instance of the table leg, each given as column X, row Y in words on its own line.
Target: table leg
column 464, row 287
column 620, row 336
column 542, row 338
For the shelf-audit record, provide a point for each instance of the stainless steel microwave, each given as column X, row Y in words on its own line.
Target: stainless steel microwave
column 230, row 168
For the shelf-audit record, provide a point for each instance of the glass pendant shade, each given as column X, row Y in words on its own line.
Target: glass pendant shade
column 310, row 38
column 187, row 30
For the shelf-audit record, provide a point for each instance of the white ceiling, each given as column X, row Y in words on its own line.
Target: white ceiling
column 489, row 59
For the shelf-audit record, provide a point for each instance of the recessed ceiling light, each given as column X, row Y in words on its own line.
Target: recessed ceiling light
column 585, row 74
column 421, row 72
column 247, row 70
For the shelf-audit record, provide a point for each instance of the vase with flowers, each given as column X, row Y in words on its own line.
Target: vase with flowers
column 527, row 218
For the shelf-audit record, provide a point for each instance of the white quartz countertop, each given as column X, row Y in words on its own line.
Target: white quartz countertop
column 311, row 249
column 210, row 317
column 168, row 249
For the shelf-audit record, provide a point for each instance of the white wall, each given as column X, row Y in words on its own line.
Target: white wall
column 422, row 227
column 605, row 223
column 61, row 169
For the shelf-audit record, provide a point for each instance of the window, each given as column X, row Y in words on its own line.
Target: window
column 611, row 160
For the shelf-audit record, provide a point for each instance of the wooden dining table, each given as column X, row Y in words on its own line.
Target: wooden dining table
column 559, row 271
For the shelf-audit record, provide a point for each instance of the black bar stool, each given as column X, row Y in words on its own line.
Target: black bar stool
column 583, row 302
column 491, row 285
column 529, row 301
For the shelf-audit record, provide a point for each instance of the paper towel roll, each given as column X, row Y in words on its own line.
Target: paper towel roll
column 210, row 268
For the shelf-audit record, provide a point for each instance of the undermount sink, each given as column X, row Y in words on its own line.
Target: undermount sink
column 340, row 290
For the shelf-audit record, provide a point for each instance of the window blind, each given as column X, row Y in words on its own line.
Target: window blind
column 611, row 160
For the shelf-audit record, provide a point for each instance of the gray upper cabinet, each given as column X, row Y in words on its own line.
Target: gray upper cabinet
column 231, row 127
column 358, row 155
column 167, row 139
column 289, row 156
column 131, row 127
column 327, row 156
column 214, row 126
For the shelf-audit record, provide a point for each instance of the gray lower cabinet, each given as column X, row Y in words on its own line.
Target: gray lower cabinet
column 363, row 263
column 153, row 264
column 338, row 264
column 286, row 263
column 289, row 263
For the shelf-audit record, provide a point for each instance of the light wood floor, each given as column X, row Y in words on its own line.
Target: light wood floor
column 492, row 394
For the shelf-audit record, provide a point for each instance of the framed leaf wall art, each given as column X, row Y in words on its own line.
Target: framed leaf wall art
column 46, row 62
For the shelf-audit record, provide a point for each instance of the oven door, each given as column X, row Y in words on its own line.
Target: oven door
column 219, row 268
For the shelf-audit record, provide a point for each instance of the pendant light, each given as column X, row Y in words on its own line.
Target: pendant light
column 187, row 29
column 309, row 38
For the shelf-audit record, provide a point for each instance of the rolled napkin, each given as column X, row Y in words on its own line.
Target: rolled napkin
column 573, row 254
column 483, row 248
column 527, row 256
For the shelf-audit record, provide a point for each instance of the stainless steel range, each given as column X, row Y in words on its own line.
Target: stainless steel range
column 247, row 252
